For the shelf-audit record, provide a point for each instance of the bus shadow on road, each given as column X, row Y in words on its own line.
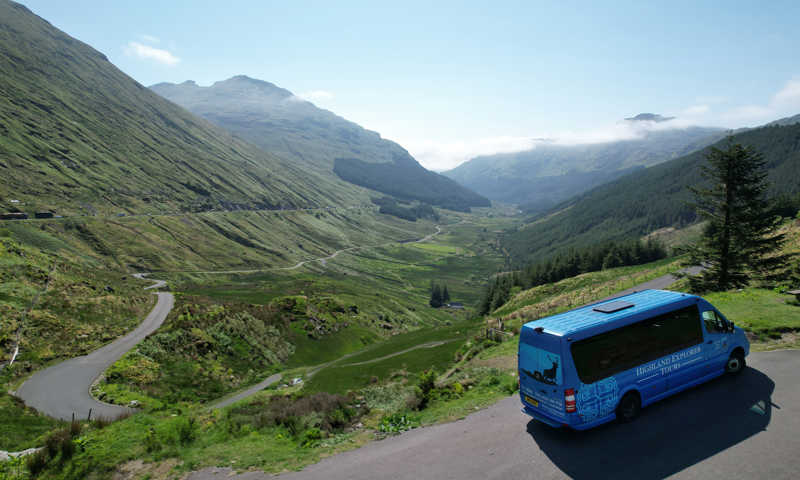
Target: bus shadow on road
column 669, row 436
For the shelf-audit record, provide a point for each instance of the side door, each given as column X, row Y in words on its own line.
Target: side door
column 715, row 348
column 684, row 335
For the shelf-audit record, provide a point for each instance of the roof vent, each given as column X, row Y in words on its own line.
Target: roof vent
column 612, row 307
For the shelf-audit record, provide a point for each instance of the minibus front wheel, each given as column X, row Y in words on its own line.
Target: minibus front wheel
column 735, row 363
column 629, row 407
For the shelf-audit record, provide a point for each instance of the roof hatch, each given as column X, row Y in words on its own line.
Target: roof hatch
column 612, row 306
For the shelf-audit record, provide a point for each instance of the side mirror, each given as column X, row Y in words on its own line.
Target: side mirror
column 732, row 327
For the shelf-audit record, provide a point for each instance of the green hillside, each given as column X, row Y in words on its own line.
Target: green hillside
column 407, row 180
column 280, row 122
column 653, row 198
column 540, row 178
column 78, row 135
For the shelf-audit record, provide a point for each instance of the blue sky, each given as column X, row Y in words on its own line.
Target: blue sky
column 450, row 80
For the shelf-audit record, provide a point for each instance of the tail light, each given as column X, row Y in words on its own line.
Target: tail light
column 569, row 400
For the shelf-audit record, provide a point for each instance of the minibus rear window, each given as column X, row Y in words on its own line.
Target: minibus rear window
column 539, row 364
column 612, row 352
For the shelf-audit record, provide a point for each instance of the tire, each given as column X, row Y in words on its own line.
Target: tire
column 629, row 407
column 735, row 364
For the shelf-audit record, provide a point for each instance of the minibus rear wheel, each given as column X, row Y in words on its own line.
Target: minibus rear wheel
column 629, row 407
column 735, row 363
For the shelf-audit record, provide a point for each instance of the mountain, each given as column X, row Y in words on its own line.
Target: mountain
column 280, row 122
column 786, row 121
column 77, row 134
column 649, row 117
column 540, row 178
column 650, row 199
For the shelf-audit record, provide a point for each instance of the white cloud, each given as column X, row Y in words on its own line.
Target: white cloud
column 747, row 115
column 786, row 102
column 789, row 96
column 696, row 110
column 316, row 95
column 444, row 155
column 440, row 156
column 711, row 99
column 149, row 38
column 146, row 52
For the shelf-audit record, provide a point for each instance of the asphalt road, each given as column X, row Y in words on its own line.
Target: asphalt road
column 63, row 389
column 660, row 283
column 731, row 428
column 230, row 400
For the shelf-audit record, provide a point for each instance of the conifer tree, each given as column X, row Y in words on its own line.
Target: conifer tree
column 445, row 295
column 436, row 296
column 739, row 241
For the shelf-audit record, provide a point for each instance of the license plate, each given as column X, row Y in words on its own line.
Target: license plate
column 532, row 401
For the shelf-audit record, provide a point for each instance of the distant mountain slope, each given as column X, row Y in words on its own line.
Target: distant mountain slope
column 786, row 121
column 539, row 178
column 649, row 199
column 280, row 122
column 77, row 133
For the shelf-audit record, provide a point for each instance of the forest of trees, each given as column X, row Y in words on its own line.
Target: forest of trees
column 569, row 264
column 654, row 198
column 405, row 179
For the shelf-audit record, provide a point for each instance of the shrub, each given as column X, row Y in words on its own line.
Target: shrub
column 36, row 462
column 60, row 441
column 101, row 422
column 75, row 428
column 492, row 380
column 457, row 389
column 510, row 385
column 426, row 387
column 396, row 423
column 311, row 437
column 329, row 413
column 388, row 398
column 186, row 430
column 414, row 399
column 67, row 448
column 338, row 418
column 51, row 444
column 151, row 442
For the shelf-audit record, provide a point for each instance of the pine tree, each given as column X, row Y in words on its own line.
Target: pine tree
column 436, row 296
column 445, row 295
column 739, row 241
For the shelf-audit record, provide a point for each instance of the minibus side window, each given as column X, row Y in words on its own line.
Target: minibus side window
column 611, row 352
column 713, row 323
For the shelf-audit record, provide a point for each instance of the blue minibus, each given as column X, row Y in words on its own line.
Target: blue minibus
column 606, row 361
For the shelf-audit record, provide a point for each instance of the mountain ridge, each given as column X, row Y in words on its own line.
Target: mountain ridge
column 79, row 135
column 542, row 177
column 651, row 198
column 339, row 150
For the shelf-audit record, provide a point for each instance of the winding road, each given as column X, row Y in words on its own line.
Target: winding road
column 63, row 389
column 322, row 260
